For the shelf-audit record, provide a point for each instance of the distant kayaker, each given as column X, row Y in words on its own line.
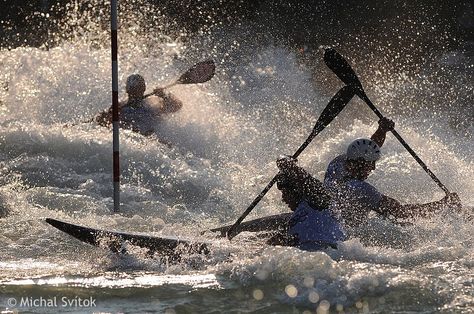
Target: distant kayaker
column 138, row 113
column 351, row 198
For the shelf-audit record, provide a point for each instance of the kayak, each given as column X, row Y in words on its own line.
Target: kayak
column 166, row 246
column 115, row 241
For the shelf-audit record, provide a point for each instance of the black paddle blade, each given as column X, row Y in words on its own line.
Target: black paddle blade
column 201, row 72
column 334, row 107
column 341, row 68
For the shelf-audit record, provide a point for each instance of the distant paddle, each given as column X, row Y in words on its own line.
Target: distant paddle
column 201, row 72
column 334, row 107
column 344, row 71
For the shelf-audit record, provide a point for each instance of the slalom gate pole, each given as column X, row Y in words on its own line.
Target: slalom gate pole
column 115, row 107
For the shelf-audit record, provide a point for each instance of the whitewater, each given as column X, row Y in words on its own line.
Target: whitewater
column 203, row 168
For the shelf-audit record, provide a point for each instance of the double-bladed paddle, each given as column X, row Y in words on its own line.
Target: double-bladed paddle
column 199, row 73
column 344, row 71
column 334, row 107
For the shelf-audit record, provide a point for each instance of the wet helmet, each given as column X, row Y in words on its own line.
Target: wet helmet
column 135, row 85
column 363, row 148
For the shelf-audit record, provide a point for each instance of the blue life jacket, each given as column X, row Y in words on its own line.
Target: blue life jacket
column 315, row 229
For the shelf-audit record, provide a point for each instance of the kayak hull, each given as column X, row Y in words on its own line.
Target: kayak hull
column 116, row 241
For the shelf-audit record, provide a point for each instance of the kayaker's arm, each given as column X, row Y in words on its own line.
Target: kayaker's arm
column 104, row 118
column 385, row 125
column 389, row 206
column 301, row 182
column 170, row 102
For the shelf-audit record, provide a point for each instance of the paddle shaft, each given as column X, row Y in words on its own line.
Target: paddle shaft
column 366, row 99
column 164, row 87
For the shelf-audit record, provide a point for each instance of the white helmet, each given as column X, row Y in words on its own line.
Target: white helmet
column 135, row 85
column 363, row 148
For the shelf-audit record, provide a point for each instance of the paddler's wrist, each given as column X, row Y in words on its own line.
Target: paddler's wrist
column 160, row 92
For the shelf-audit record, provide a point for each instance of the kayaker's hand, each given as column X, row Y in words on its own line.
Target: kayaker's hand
column 286, row 162
column 104, row 118
column 160, row 92
column 386, row 125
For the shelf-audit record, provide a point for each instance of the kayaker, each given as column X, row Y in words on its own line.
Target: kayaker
column 138, row 113
column 354, row 198
column 351, row 197
column 312, row 226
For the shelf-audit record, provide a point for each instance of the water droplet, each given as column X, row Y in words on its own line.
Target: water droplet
column 323, row 307
column 291, row 291
column 313, row 297
column 258, row 294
